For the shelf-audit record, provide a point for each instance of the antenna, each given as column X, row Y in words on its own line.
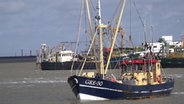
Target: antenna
column 98, row 17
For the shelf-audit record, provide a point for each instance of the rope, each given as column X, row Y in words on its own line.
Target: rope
column 79, row 32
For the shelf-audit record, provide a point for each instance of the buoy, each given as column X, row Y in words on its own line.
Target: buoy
column 159, row 79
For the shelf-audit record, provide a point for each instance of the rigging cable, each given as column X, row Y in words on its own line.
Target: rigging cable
column 79, row 32
column 116, row 12
column 138, row 14
column 143, row 23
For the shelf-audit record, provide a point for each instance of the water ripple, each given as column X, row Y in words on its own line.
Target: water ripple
column 33, row 81
column 178, row 93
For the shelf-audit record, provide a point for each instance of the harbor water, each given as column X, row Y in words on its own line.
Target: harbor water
column 25, row 83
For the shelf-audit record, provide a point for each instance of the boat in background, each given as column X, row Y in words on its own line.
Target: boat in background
column 175, row 59
column 65, row 60
column 60, row 58
column 139, row 78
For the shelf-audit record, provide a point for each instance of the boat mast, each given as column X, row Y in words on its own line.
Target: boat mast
column 115, row 35
column 100, row 26
column 98, row 17
column 91, row 29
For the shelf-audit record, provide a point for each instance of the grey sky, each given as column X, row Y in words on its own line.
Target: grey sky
column 25, row 24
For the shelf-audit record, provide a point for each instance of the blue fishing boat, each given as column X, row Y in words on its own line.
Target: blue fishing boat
column 138, row 78
column 135, row 82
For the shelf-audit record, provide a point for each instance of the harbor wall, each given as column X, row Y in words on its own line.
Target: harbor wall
column 17, row 59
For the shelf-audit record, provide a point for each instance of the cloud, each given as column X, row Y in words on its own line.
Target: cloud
column 11, row 6
column 26, row 23
column 171, row 14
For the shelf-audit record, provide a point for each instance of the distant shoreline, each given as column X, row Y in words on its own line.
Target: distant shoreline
column 17, row 59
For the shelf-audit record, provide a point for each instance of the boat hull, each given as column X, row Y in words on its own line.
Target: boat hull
column 97, row 89
column 172, row 63
column 65, row 65
column 77, row 65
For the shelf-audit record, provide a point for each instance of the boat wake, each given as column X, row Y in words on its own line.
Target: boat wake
column 28, row 82
column 177, row 76
column 178, row 93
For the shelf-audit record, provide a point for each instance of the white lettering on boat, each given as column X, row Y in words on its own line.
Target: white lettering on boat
column 94, row 83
